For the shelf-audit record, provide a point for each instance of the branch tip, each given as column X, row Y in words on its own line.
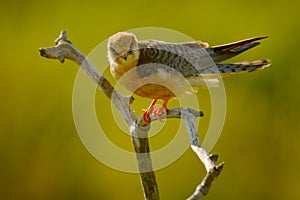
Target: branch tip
column 131, row 99
column 213, row 157
column 43, row 52
column 61, row 58
column 62, row 37
column 220, row 167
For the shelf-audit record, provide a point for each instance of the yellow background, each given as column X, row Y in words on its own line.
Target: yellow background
column 41, row 155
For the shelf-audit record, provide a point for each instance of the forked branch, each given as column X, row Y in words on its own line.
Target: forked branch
column 138, row 130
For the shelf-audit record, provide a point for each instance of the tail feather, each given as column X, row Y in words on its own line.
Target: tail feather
column 223, row 52
column 239, row 67
column 210, row 77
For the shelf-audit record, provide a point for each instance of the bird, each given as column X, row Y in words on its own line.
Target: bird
column 162, row 70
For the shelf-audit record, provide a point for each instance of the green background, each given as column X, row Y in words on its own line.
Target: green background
column 41, row 155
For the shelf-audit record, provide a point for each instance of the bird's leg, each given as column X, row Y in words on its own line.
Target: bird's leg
column 161, row 110
column 148, row 111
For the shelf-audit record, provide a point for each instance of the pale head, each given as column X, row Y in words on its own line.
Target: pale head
column 122, row 48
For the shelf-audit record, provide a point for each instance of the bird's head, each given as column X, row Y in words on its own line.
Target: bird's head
column 122, row 48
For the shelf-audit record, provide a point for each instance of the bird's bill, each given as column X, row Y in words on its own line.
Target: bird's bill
column 123, row 54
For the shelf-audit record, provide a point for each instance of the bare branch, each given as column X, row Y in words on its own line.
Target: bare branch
column 209, row 161
column 65, row 50
column 138, row 130
column 171, row 113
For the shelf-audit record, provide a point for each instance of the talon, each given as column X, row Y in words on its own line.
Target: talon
column 158, row 112
column 147, row 112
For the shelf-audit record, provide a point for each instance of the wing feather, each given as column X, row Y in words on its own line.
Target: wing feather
column 172, row 57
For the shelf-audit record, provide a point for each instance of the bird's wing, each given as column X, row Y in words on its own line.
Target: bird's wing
column 193, row 59
column 172, row 57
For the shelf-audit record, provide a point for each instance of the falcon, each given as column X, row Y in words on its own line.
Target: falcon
column 160, row 70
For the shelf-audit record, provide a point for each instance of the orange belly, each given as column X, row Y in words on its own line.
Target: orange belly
column 154, row 91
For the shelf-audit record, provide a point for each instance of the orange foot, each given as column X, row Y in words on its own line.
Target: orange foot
column 157, row 112
column 147, row 112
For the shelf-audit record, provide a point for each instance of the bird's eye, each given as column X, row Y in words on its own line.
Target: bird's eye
column 114, row 51
column 130, row 48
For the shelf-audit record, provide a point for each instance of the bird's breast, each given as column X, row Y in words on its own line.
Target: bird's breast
column 157, row 83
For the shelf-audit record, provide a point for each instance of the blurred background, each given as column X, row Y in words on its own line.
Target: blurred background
column 41, row 155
